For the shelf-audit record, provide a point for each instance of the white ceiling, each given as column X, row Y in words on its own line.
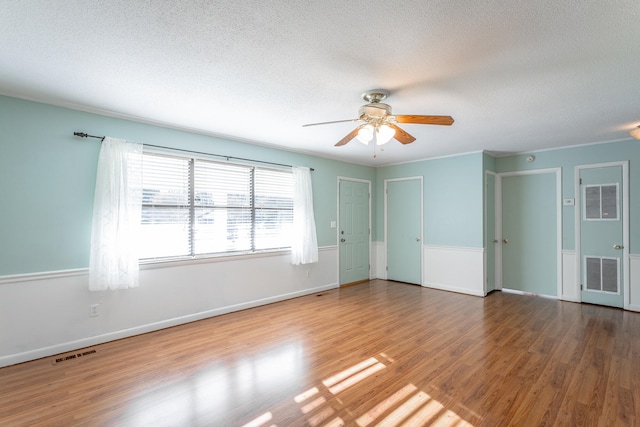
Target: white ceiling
column 516, row 75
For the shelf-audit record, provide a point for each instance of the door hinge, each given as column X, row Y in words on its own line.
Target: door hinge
column 387, row 268
column 580, row 286
column 580, row 181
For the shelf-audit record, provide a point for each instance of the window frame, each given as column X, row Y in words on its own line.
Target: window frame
column 193, row 206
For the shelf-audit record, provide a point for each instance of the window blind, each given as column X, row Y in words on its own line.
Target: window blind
column 165, row 207
column 273, row 208
column 223, row 208
column 197, row 207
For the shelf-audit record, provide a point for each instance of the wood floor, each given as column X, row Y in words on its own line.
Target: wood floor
column 380, row 353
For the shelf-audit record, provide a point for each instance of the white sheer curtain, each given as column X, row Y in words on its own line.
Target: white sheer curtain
column 117, row 208
column 304, row 247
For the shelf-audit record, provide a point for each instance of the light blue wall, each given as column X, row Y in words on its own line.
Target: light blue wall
column 567, row 159
column 47, row 179
column 489, row 162
column 453, row 198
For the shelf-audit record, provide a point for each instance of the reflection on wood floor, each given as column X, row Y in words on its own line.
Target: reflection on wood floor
column 379, row 353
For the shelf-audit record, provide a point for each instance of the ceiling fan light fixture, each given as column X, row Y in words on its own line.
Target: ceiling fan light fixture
column 635, row 132
column 379, row 125
column 365, row 134
column 384, row 133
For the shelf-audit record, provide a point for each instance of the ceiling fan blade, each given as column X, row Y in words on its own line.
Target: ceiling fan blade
column 348, row 138
column 402, row 136
column 328, row 123
column 425, row 120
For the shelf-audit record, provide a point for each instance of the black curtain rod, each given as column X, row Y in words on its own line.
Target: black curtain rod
column 101, row 138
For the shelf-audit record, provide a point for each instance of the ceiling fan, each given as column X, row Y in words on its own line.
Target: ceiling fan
column 380, row 124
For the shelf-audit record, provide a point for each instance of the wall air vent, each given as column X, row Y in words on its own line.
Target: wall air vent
column 602, row 275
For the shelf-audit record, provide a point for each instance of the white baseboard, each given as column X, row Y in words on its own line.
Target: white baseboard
column 142, row 329
column 459, row 290
column 632, row 307
column 519, row 292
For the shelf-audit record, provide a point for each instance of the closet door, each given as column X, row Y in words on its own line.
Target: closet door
column 403, row 236
column 530, row 233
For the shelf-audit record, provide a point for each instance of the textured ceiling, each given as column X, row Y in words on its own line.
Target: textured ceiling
column 516, row 75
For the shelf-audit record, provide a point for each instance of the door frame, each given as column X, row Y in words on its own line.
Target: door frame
column 365, row 181
column 491, row 240
column 498, row 225
column 386, row 216
column 625, row 225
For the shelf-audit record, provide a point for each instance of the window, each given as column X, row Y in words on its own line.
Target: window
column 194, row 207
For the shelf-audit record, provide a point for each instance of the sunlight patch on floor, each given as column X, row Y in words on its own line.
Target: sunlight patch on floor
column 349, row 372
column 408, row 406
column 413, row 407
column 385, row 405
column 336, row 422
column 322, row 415
column 353, row 375
column 313, row 405
column 306, row 395
column 260, row 421
column 450, row 418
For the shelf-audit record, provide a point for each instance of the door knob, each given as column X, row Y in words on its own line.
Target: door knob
column 342, row 240
column 505, row 241
column 617, row 247
column 417, row 239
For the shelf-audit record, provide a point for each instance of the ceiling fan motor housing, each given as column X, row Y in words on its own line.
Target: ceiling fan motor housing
column 377, row 110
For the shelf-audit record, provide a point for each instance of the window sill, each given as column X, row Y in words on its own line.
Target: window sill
column 149, row 264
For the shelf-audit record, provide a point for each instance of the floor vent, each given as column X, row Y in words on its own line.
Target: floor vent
column 73, row 356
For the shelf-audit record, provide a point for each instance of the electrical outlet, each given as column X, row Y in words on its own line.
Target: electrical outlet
column 93, row 310
column 308, row 273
